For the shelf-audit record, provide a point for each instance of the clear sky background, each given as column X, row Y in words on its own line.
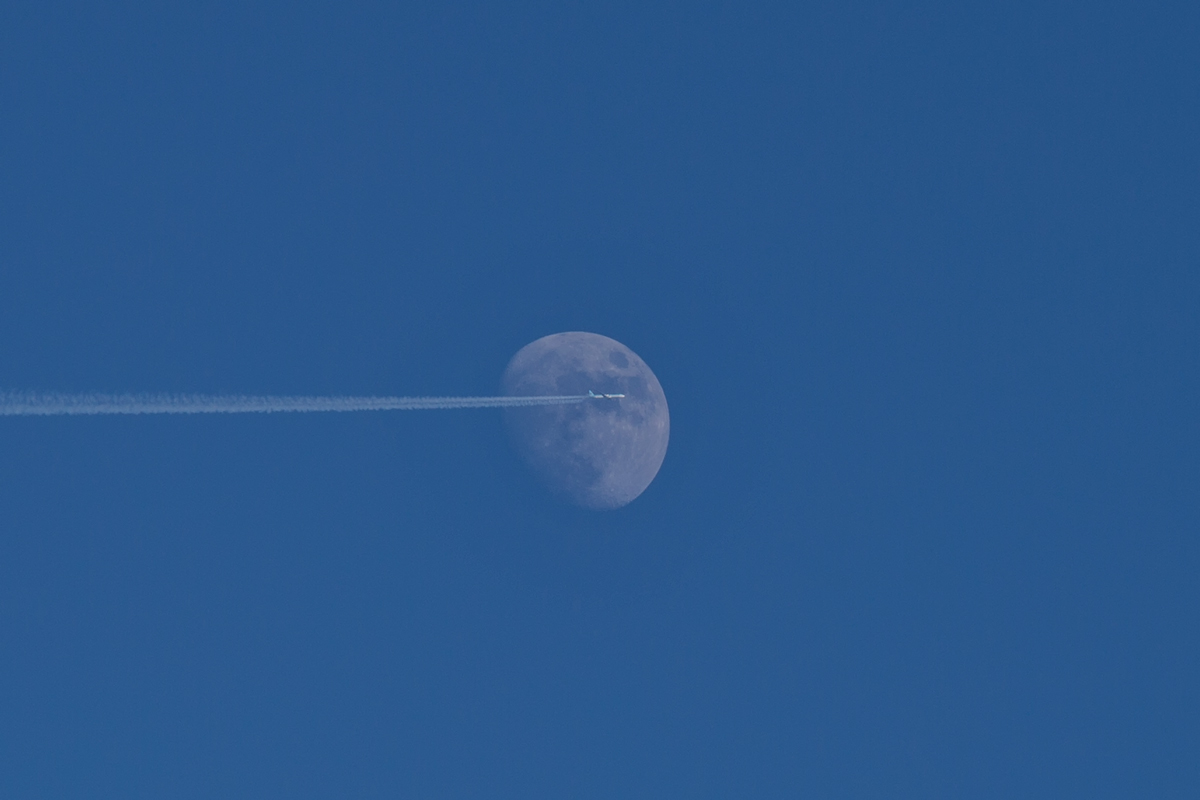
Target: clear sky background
column 921, row 282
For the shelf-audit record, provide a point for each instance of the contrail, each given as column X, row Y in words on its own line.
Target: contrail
column 44, row 405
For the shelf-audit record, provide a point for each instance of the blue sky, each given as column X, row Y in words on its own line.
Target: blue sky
column 919, row 280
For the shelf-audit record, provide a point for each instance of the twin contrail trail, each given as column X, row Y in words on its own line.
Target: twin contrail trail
column 45, row 405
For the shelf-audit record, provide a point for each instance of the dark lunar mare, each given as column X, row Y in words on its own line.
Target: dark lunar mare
column 599, row 454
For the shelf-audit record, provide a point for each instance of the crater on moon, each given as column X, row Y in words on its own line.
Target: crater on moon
column 599, row 454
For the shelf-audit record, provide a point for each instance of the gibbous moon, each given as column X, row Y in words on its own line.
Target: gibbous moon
column 600, row 454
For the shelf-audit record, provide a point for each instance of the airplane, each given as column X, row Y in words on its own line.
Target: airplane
column 604, row 396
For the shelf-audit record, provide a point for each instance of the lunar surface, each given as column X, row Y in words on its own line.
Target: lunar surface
column 599, row 454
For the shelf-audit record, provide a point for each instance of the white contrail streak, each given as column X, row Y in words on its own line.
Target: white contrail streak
column 44, row 405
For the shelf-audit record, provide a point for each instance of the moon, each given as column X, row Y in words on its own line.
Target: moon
column 600, row 454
